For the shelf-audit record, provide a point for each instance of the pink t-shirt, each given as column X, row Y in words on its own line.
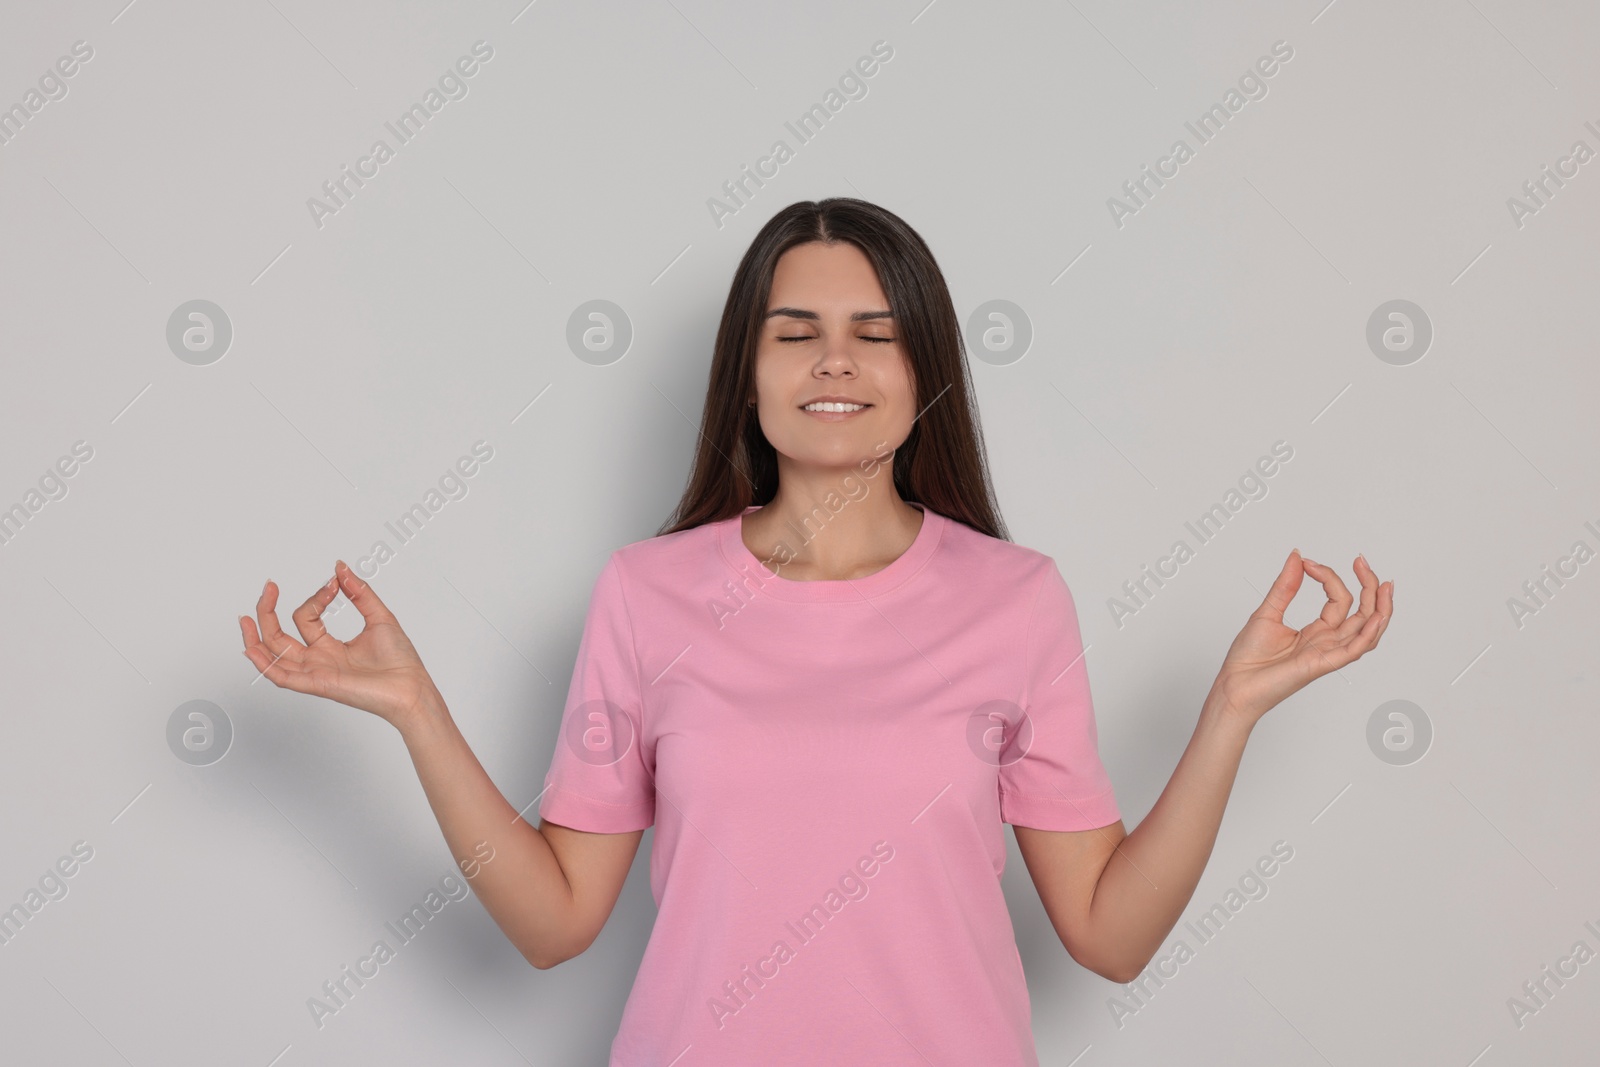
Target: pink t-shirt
column 827, row 765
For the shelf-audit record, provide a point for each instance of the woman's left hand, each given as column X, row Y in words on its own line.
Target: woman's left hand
column 1268, row 660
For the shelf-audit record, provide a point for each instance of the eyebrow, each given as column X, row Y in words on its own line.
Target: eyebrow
column 802, row 313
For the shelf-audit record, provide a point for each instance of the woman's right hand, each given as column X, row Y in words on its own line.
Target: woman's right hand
column 378, row 670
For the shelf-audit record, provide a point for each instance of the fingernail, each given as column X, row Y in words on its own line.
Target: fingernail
column 332, row 582
column 264, row 586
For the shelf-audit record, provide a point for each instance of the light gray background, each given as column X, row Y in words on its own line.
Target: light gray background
column 431, row 311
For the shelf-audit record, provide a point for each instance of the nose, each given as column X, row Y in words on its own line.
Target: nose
column 836, row 360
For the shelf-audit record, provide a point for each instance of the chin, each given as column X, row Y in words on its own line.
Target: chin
column 837, row 454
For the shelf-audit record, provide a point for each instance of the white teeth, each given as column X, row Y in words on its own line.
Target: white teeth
column 828, row 406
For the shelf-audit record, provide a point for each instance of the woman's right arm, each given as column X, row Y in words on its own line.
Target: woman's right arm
column 551, row 888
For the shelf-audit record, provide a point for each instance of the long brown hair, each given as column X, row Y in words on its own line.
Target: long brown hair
column 941, row 464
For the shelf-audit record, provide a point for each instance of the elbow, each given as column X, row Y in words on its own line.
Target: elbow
column 544, row 957
column 1122, row 975
column 1113, row 969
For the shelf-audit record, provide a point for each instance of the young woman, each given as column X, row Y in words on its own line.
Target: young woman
column 827, row 683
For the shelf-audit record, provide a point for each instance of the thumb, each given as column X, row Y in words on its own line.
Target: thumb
column 1283, row 590
column 361, row 595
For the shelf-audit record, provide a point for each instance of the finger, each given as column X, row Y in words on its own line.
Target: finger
column 1339, row 598
column 1385, row 609
column 280, row 671
column 1365, row 640
column 308, row 616
column 292, row 654
column 257, row 652
column 1369, row 584
column 361, row 595
column 1281, row 595
column 1368, row 602
column 272, row 634
column 1383, row 626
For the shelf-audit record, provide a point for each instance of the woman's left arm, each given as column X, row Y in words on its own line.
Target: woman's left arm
column 1114, row 897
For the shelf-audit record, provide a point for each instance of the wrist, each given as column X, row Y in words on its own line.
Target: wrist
column 426, row 712
column 1221, row 709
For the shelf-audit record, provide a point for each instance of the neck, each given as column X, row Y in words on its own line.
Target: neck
column 836, row 523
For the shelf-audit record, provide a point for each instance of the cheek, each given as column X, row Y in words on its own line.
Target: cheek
column 897, row 382
column 778, row 369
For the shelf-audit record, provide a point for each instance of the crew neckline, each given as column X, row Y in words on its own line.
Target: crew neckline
column 730, row 538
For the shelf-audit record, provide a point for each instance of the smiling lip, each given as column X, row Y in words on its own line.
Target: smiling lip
column 834, row 416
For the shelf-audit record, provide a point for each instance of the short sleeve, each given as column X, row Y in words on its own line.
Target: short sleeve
column 599, row 780
column 1058, row 783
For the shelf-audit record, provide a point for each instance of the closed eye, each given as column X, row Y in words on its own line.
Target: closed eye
column 879, row 340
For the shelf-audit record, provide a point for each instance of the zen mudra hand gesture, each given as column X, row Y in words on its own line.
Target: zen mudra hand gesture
column 1268, row 661
column 378, row 670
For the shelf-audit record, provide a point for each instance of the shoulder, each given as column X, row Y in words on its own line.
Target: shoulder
column 645, row 577
column 991, row 559
column 673, row 559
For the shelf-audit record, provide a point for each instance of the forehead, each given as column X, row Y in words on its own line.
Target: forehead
column 826, row 278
